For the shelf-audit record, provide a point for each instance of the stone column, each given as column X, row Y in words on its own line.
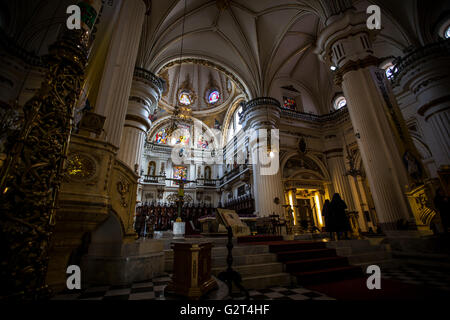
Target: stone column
column 264, row 114
column 336, row 165
column 145, row 94
column 347, row 44
column 426, row 73
column 114, row 91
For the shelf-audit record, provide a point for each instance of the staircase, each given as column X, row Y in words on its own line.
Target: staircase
column 258, row 267
column 312, row 262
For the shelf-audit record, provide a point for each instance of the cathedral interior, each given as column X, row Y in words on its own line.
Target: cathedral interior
column 141, row 140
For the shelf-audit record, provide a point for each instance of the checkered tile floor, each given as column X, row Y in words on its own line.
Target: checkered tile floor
column 154, row 290
column 287, row 293
column 419, row 275
column 144, row 290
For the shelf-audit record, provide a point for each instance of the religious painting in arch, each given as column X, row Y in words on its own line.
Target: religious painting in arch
column 161, row 137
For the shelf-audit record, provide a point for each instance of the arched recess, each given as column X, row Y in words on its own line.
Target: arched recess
column 323, row 169
column 229, row 116
column 309, row 99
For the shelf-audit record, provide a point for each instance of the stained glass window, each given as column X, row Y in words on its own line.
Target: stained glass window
column 161, row 137
column 447, row 33
column 180, row 173
column 185, row 98
column 289, row 103
column 213, row 97
column 390, row 70
column 238, row 125
column 184, row 140
column 340, row 102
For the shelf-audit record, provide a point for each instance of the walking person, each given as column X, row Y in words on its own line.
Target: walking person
column 326, row 213
column 340, row 218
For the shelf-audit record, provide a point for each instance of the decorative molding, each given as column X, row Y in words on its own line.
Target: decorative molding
column 413, row 59
column 140, row 73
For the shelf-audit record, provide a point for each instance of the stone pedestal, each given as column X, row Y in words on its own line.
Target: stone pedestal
column 123, row 264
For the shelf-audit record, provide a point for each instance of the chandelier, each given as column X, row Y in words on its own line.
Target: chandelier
column 181, row 112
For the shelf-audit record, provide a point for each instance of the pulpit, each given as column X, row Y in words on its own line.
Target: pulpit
column 192, row 270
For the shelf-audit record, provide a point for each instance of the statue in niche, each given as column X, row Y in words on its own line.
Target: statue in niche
column 151, row 168
column 208, row 173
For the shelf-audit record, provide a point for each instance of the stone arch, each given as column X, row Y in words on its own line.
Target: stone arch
column 324, row 171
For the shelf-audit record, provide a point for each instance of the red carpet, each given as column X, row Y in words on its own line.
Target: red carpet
column 311, row 261
column 356, row 289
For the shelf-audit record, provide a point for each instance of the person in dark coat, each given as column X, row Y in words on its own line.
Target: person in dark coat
column 342, row 225
column 442, row 206
column 326, row 213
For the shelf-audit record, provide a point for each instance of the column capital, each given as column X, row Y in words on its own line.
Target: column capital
column 346, row 39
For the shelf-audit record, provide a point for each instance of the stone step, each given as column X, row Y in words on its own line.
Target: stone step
column 240, row 250
column 305, row 254
column 253, row 269
column 328, row 275
column 223, row 251
column 266, row 281
column 221, row 261
column 373, row 257
column 316, row 264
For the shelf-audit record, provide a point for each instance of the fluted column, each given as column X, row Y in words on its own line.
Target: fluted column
column 426, row 73
column 336, row 165
column 347, row 44
column 260, row 116
column 114, row 91
column 145, row 94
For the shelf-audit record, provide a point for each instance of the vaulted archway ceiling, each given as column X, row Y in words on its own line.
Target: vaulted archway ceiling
column 266, row 44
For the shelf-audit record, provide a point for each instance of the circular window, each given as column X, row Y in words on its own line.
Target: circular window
column 340, row 102
column 185, row 98
column 447, row 33
column 213, row 96
column 390, row 71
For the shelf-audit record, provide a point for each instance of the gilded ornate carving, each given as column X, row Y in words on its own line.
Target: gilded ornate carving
column 80, row 167
column 32, row 172
column 123, row 188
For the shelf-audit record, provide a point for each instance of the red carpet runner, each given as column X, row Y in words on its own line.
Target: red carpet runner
column 320, row 269
column 311, row 262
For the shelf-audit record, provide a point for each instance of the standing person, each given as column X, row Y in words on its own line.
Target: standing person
column 326, row 213
column 441, row 205
column 338, row 207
